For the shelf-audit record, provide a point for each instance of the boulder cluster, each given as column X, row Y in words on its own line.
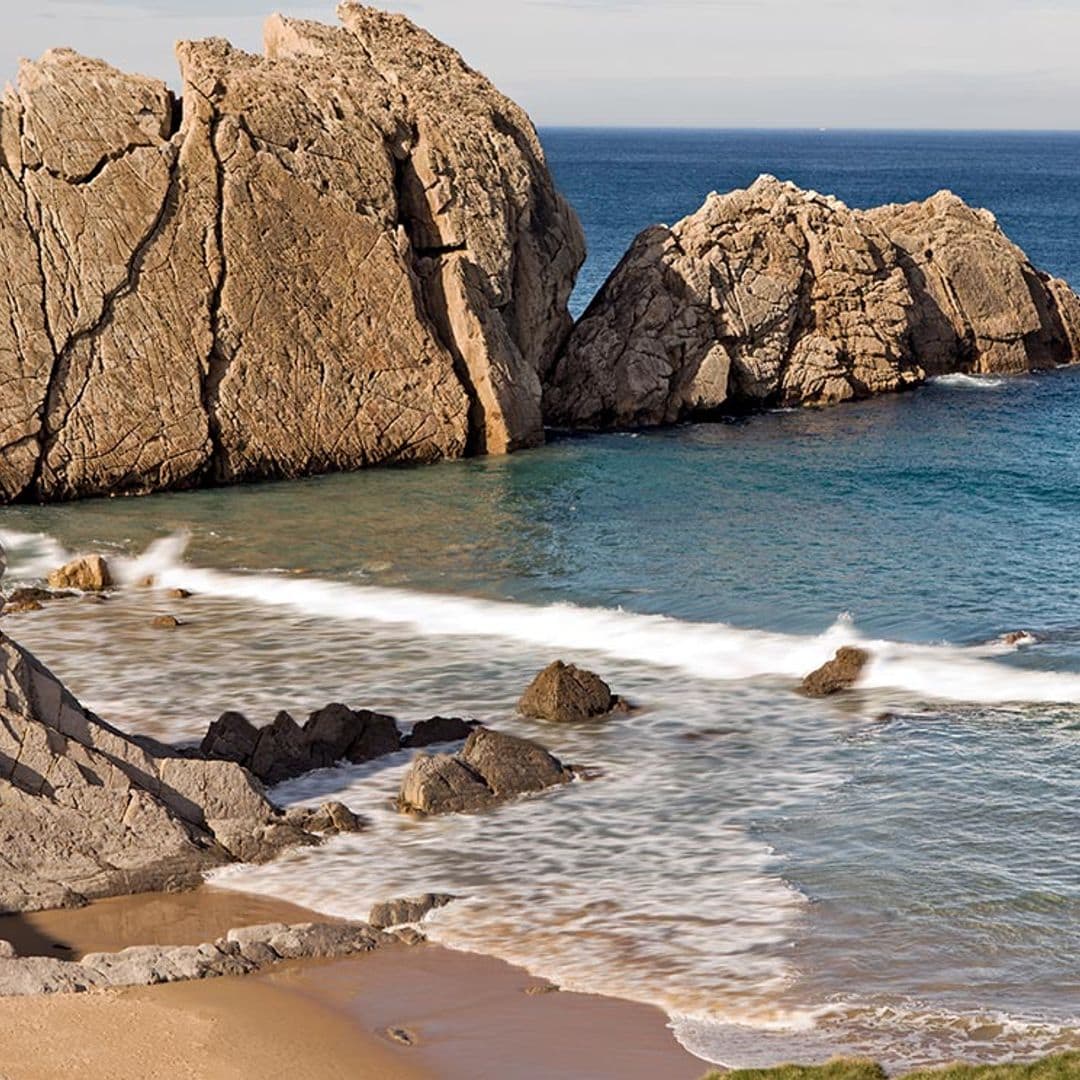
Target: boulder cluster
column 350, row 251
column 335, row 733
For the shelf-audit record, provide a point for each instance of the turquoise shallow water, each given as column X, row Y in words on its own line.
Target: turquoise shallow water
column 894, row 872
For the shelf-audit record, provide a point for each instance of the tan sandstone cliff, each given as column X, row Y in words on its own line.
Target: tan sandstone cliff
column 777, row 296
column 348, row 251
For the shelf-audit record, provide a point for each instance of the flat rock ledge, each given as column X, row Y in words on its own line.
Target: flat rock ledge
column 491, row 768
column 240, row 952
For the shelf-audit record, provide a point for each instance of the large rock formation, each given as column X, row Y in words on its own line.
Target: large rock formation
column 778, row 296
column 348, row 251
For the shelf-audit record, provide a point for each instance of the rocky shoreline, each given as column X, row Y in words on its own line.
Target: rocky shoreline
column 411, row 305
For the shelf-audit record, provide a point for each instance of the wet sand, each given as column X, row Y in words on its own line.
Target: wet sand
column 402, row 1013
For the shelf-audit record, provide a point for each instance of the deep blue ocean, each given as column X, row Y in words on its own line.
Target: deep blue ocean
column 893, row 872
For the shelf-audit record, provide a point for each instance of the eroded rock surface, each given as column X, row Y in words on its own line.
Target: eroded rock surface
column 347, row 251
column 566, row 693
column 491, row 768
column 777, row 296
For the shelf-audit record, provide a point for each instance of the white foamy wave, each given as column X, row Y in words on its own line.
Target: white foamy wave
column 904, row 1035
column 704, row 650
column 31, row 555
column 980, row 382
column 714, row 651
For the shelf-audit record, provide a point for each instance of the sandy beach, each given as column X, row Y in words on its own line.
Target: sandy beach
column 401, row 1013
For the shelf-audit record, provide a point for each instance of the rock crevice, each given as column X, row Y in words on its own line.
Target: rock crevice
column 218, row 287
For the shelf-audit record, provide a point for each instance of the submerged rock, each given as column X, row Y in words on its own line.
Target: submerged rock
column 408, row 909
column 777, row 296
column 839, row 673
column 439, row 729
column 566, row 693
column 89, row 573
column 491, row 768
column 31, row 598
column 344, row 252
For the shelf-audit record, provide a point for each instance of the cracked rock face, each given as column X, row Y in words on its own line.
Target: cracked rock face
column 346, row 252
column 777, row 296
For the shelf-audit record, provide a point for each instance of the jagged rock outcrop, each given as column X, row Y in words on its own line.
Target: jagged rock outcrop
column 348, row 251
column 86, row 812
column 282, row 749
column 777, row 296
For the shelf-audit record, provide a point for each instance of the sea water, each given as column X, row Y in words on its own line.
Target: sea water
column 893, row 872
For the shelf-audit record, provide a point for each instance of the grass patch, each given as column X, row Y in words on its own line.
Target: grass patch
column 1060, row 1067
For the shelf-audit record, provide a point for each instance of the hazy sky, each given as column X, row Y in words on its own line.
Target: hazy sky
column 713, row 63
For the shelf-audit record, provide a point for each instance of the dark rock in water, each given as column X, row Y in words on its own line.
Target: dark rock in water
column 566, row 693
column 231, row 737
column 442, row 784
column 408, row 909
column 31, row 599
column 282, row 752
column 338, row 733
column 491, row 768
column 839, row 673
column 166, row 622
column 439, row 729
column 328, row 820
column 178, row 594
column 510, row 765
